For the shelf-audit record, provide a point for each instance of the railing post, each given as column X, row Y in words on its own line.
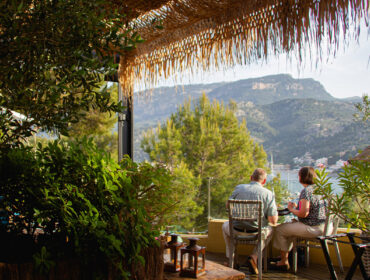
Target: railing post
column 209, row 197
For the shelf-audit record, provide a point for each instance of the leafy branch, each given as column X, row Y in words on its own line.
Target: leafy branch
column 351, row 205
column 363, row 109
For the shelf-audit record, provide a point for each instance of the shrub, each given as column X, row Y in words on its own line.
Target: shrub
column 86, row 204
column 351, row 205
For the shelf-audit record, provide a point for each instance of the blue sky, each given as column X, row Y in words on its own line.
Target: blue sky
column 345, row 75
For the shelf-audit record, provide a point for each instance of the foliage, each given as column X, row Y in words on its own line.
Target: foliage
column 86, row 204
column 98, row 125
column 42, row 261
column 281, row 193
column 209, row 140
column 280, row 189
column 363, row 109
column 184, row 189
column 352, row 204
column 53, row 55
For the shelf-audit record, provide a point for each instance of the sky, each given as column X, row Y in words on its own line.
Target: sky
column 345, row 75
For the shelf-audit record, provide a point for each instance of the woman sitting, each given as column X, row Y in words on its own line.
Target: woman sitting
column 311, row 213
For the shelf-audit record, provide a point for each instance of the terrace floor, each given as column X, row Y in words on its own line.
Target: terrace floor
column 314, row 272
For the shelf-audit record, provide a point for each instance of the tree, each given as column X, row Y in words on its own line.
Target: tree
column 53, row 54
column 98, row 125
column 208, row 138
column 184, row 209
column 363, row 109
column 280, row 189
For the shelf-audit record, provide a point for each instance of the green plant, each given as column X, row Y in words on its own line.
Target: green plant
column 98, row 125
column 56, row 54
column 42, row 261
column 352, row 204
column 363, row 109
column 87, row 205
column 207, row 139
column 280, row 189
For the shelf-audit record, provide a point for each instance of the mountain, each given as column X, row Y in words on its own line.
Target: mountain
column 157, row 104
column 290, row 128
column 353, row 99
column 290, row 117
column 269, row 89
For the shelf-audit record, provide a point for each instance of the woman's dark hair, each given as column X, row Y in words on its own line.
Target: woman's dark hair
column 307, row 175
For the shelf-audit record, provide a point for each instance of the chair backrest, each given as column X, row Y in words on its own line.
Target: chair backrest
column 245, row 210
column 331, row 222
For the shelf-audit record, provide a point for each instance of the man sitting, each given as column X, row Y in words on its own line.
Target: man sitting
column 254, row 191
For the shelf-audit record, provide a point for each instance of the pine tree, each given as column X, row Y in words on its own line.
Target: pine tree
column 215, row 147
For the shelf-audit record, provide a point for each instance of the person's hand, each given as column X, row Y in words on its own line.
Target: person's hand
column 291, row 206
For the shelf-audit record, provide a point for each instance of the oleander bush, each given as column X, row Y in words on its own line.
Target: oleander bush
column 71, row 200
column 352, row 203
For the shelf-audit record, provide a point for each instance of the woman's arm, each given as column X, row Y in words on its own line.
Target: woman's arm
column 304, row 208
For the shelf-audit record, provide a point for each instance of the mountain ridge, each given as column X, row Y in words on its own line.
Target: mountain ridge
column 276, row 108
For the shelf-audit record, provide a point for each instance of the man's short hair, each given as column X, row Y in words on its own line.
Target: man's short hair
column 307, row 175
column 259, row 175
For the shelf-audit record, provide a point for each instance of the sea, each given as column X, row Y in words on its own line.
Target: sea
column 290, row 178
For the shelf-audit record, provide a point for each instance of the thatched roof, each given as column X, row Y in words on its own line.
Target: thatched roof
column 211, row 34
column 364, row 156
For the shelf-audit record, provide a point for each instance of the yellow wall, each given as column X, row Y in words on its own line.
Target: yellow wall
column 214, row 242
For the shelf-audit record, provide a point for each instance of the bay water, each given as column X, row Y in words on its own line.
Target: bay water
column 290, row 178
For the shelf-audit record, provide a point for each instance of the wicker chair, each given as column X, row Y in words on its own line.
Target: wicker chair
column 250, row 211
column 331, row 227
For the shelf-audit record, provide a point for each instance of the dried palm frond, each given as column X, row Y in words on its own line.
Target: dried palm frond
column 199, row 35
